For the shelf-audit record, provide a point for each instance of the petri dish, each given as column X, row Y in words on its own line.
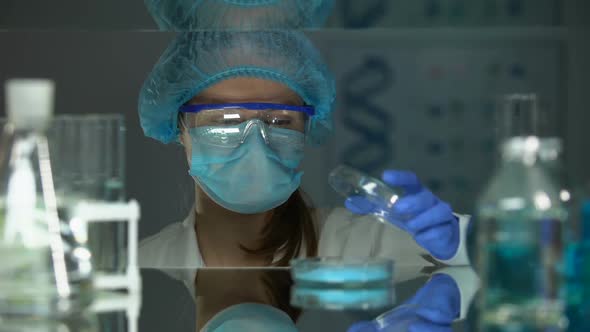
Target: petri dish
column 349, row 182
column 342, row 272
column 341, row 298
column 334, row 283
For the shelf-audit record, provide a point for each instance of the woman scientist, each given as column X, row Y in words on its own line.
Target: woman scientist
column 243, row 105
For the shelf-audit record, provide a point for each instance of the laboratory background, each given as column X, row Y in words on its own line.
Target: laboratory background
column 419, row 86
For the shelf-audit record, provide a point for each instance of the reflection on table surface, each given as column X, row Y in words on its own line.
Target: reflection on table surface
column 415, row 297
column 262, row 300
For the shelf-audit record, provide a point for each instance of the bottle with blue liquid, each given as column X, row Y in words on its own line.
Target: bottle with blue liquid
column 577, row 275
column 575, row 267
column 520, row 221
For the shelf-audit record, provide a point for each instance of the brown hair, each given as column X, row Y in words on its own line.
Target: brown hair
column 278, row 285
column 290, row 228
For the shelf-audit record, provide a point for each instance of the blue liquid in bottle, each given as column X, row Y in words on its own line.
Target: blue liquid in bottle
column 520, row 220
column 577, row 274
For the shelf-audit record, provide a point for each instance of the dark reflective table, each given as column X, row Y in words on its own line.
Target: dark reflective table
column 261, row 300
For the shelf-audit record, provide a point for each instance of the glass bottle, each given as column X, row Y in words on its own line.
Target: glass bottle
column 576, row 262
column 577, row 273
column 520, row 219
column 41, row 274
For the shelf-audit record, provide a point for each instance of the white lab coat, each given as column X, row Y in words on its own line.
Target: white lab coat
column 342, row 234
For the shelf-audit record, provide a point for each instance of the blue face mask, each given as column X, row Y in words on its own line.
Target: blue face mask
column 255, row 176
column 250, row 317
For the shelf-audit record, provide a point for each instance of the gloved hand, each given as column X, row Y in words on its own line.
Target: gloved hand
column 428, row 219
column 433, row 309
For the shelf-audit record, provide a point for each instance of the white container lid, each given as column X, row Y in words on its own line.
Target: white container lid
column 29, row 103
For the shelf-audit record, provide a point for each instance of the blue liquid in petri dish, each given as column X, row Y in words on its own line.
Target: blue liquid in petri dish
column 341, row 299
column 342, row 272
column 335, row 283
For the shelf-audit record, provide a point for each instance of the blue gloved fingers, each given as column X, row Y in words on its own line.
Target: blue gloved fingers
column 422, row 326
column 438, row 301
column 442, row 316
column 441, row 241
column 406, row 180
column 440, row 213
column 439, row 289
column 420, row 213
column 359, row 205
column 363, row 326
column 413, row 205
column 397, row 318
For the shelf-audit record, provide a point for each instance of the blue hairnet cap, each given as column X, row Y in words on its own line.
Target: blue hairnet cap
column 187, row 15
column 250, row 317
column 197, row 60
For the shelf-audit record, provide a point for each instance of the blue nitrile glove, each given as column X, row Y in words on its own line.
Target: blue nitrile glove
column 433, row 309
column 428, row 219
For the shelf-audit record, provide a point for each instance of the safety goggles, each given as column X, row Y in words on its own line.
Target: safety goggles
column 230, row 123
column 224, row 115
